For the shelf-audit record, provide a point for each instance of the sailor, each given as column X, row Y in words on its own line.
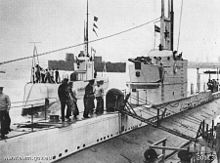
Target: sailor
column 215, row 85
column 73, row 76
column 57, row 76
column 81, row 54
column 52, row 75
column 174, row 54
column 47, row 77
column 99, row 93
column 5, row 105
column 42, row 72
column 37, row 73
column 95, row 73
column 89, row 99
column 64, row 97
column 72, row 104
column 210, row 85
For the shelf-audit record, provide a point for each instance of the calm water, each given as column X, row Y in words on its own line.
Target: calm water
column 18, row 74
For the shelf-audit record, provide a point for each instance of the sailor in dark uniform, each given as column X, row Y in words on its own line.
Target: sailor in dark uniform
column 57, row 76
column 89, row 97
column 5, row 119
column 72, row 104
column 64, row 97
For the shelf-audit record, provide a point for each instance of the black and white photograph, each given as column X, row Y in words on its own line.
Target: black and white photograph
column 109, row 81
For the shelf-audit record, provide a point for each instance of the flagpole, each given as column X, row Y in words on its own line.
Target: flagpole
column 154, row 37
column 87, row 32
column 162, row 42
column 92, row 64
column 85, row 37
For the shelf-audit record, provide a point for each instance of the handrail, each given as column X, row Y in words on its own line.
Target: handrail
column 39, row 99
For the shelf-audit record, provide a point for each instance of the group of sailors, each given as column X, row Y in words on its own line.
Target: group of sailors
column 68, row 99
column 90, row 95
column 40, row 75
column 213, row 85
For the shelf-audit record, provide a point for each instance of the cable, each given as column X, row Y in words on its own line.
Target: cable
column 181, row 11
column 80, row 44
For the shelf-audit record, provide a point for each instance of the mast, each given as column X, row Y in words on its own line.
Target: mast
column 166, row 27
column 87, row 27
column 162, row 26
column 171, row 26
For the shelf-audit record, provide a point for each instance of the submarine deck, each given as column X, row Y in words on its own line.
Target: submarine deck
column 131, row 146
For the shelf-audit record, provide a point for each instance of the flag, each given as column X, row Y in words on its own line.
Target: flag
column 93, row 50
column 95, row 18
column 94, row 25
column 156, row 28
column 95, row 32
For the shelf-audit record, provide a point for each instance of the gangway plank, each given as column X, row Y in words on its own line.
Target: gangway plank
column 128, row 110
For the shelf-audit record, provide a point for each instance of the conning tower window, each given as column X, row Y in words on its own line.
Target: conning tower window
column 137, row 65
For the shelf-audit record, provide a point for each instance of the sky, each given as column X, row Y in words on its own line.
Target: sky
column 60, row 23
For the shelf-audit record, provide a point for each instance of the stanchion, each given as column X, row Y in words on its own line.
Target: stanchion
column 32, row 118
column 198, row 80
column 137, row 97
column 46, row 107
column 192, row 90
column 158, row 116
